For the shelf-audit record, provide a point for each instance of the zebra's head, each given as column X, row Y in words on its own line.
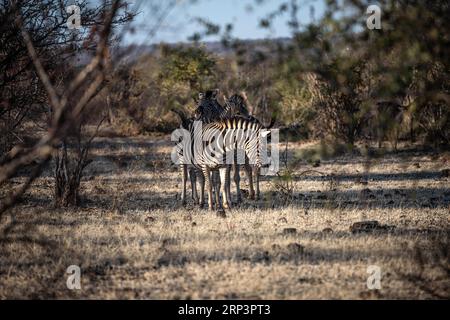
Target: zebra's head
column 208, row 108
column 236, row 105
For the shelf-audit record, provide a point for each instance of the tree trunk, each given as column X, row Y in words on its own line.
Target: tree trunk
column 67, row 178
column 110, row 110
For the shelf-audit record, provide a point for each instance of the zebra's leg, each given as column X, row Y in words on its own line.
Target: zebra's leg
column 248, row 171
column 237, row 179
column 256, row 172
column 201, row 178
column 214, row 184
column 193, row 177
column 217, row 188
column 228, row 189
column 183, row 168
column 225, row 181
column 206, row 174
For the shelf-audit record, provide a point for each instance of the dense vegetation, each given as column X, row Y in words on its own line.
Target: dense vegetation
column 331, row 80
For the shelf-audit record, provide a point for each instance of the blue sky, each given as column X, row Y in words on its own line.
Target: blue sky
column 245, row 15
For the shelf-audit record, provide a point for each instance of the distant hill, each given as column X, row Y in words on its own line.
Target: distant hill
column 133, row 52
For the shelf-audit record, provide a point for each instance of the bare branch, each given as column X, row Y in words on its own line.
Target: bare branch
column 54, row 100
column 63, row 119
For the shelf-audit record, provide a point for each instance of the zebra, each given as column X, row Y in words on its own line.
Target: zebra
column 209, row 110
column 220, row 139
column 236, row 105
column 185, row 166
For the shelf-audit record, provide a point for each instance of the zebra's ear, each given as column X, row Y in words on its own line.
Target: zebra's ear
column 200, row 95
column 265, row 133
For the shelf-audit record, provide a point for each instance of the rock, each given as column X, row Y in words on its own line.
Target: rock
column 313, row 281
column 149, row 219
column 316, row 164
column 445, row 173
column 121, row 260
column 288, row 231
column 194, row 224
column 369, row 226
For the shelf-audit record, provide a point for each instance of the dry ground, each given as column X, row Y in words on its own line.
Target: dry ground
column 132, row 239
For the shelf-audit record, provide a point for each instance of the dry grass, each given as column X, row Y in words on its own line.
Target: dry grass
column 132, row 239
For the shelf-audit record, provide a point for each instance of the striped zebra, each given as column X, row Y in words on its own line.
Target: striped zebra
column 236, row 105
column 186, row 165
column 219, row 142
column 209, row 110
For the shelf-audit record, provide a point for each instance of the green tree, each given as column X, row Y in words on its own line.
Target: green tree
column 186, row 65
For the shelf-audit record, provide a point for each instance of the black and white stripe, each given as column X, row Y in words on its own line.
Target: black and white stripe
column 235, row 140
column 209, row 110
